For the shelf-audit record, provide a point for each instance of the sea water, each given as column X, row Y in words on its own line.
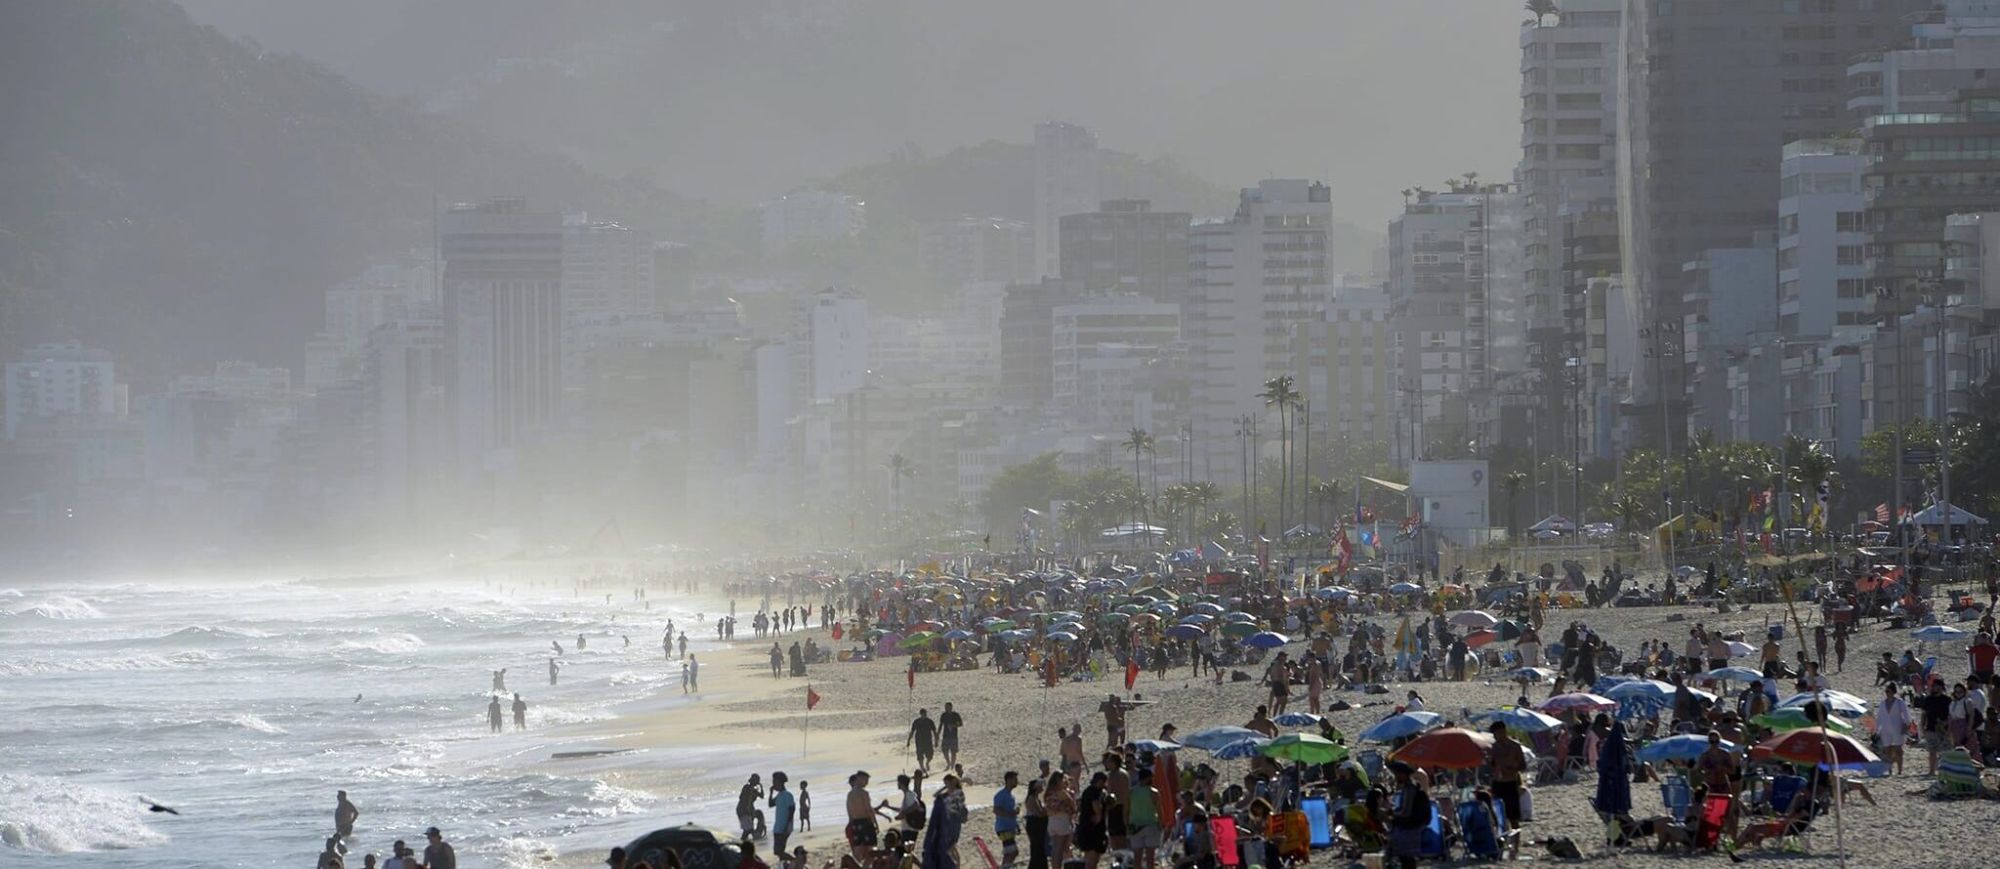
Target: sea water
column 246, row 706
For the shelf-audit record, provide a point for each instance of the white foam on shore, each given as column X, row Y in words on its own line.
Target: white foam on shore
column 47, row 815
column 58, row 608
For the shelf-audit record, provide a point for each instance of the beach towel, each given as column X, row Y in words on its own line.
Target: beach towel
column 1318, row 823
column 1298, row 836
column 1166, row 771
column 1713, row 812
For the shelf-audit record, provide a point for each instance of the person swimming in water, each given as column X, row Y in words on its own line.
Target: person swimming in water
column 556, row 645
column 500, row 679
column 552, row 671
column 520, row 712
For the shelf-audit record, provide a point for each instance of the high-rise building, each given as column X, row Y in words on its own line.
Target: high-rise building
column 503, row 320
column 809, row 214
column 1922, row 169
column 1105, row 350
column 57, row 380
column 1346, row 363
column 607, row 268
column 833, row 325
column 1569, row 119
column 1065, row 183
column 1255, row 275
column 1127, row 247
column 1729, row 305
column 966, row 250
column 1822, row 240
column 1712, row 90
column 1949, row 48
column 1441, row 286
column 403, row 379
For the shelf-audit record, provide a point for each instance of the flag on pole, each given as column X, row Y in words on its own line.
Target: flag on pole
column 836, row 630
column 812, row 698
column 1882, row 512
column 910, row 675
column 1346, row 552
column 1131, row 673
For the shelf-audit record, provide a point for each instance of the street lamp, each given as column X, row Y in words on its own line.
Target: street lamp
column 1665, row 338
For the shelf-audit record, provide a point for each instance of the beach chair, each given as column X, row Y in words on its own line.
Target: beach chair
column 1713, row 813
column 1318, row 822
column 1785, row 789
column 1371, row 763
column 1477, row 831
column 1957, row 775
column 1223, row 830
column 1432, row 845
column 1921, row 680
column 1676, row 795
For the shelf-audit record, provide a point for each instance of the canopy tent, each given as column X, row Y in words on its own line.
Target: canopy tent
column 1133, row 529
column 1937, row 514
column 1554, row 523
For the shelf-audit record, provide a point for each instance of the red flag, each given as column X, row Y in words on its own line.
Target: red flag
column 910, row 676
column 836, row 630
column 1346, row 552
column 1131, row 673
column 1882, row 512
column 812, row 698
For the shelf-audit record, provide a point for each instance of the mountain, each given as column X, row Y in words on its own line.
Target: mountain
column 176, row 196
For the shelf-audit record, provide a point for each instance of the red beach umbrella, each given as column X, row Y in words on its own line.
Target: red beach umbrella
column 1446, row 748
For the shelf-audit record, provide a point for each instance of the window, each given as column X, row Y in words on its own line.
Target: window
column 1850, row 255
column 1574, row 102
column 1582, row 75
column 1577, row 152
column 1577, row 50
column 1851, row 221
column 1852, row 288
column 1788, row 224
column 1578, row 126
column 1788, row 258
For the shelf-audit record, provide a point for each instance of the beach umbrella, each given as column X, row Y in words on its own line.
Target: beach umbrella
column 1113, row 618
column 1508, row 630
column 1738, row 648
column 1794, row 718
column 1684, row 748
column 1185, row 632
column 1538, row 675
column 1446, row 748
column 1297, row 719
column 958, row 634
column 1577, row 700
column 1812, row 745
column 1478, row 639
column 889, row 647
column 1640, row 688
column 1241, row 749
column 1146, row 618
column 1063, row 637
column 1305, row 748
column 1518, row 718
column 1066, row 616
column 1163, row 608
column 1238, row 616
column 1130, row 609
column 1212, row 738
column 1197, row 619
column 1067, row 627
column 995, row 623
column 1837, row 702
column 1157, row 593
column 1405, row 588
column 1734, row 674
column 1334, row 592
column 1474, row 619
column 1156, row 746
column 1213, row 609
column 917, row 640
column 1400, row 725
column 1017, row 634
column 1266, row 640
column 1936, row 633
column 1239, row 630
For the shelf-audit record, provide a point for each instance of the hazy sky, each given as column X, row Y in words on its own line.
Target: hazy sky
column 1372, row 95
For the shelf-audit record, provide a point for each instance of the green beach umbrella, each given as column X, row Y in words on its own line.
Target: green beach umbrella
column 1239, row 630
column 1793, row 718
column 917, row 639
column 1305, row 748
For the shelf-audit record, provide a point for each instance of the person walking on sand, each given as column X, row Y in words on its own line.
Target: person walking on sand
column 344, row 814
column 784, row 809
column 694, row 674
column 949, row 722
column 683, row 641
column 520, row 712
column 777, row 660
column 493, row 718
column 1007, row 819
column 862, row 832
column 923, row 732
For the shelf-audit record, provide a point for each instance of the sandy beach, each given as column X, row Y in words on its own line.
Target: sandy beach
column 747, row 721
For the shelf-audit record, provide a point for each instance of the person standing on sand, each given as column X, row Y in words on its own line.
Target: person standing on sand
column 862, row 832
column 805, row 807
column 493, row 717
column 923, row 732
column 1072, row 748
column 1892, row 723
column 344, row 814
column 520, row 712
column 684, row 677
column 949, row 722
column 694, row 674
column 1114, row 721
column 1007, row 819
column 684, row 644
column 784, row 808
column 777, row 660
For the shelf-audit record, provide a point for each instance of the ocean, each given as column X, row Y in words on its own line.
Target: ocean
column 245, row 706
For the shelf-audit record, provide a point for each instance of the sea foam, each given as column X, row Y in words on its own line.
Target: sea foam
column 46, row 815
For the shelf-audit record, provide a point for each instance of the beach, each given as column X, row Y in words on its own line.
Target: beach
column 1011, row 720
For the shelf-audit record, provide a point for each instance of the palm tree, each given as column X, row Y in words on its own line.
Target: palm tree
column 1330, row 493
column 899, row 468
column 1140, row 444
column 1278, row 392
column 1631, row 511
column 1512, row 483
column 1542, row 9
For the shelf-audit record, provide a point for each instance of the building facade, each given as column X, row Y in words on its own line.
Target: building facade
column 1065, row 183
column 1127, row 247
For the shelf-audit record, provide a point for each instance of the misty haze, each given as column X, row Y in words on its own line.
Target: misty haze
column 586, row 432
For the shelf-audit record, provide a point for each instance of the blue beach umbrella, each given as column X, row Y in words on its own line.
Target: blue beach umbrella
column 1156, row 746
column 1212, row 738
column 1241, row 749
column 1518, row 718
column 1684, row 748
column 1266, row 640
column 1214, row 609
column 1185, row 632
column 1063, row 636
column 1400, row 725
column 1297, row 719
column 1734, row 674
